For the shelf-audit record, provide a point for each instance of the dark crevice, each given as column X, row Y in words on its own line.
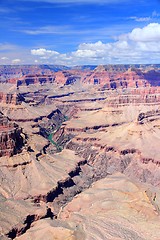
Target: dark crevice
column 53, row 194
column 128, row 151
column 13, row 233
column 75, row 172
column 59, row 190
column 49, row 214
column 45, row 148
column 38, row 155
column 67, row 184
column 28, row 222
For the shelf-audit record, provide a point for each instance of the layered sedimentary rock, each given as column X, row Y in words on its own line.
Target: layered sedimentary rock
column 9, row 94
column 11, row 73
column 9, row 98
column 11, row 140
column 110, row 77
column 96, row 129
column 147, row 96
column 113, row 208
column 33, row 79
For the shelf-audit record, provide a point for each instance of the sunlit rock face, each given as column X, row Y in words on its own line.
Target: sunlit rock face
column 114, row 208
column 79, row 152
column 108, row 76
column 11, row 140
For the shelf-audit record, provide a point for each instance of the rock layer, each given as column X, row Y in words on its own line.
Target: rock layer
column 81, row 126
column 11, row 140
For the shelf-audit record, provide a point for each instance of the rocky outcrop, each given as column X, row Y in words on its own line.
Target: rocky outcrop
column 114, row 207
column 34, row 79
column 148, row 116
column 11, row 140
column 153, row 77
column 81, row 127
column 10, row 98
column 126, row 99
column 108, row 76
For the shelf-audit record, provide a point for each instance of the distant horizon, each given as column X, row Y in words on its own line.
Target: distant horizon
column 80, row 65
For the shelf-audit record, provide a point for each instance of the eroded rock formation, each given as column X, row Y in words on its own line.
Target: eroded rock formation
column 90, row 167
column 11, row 140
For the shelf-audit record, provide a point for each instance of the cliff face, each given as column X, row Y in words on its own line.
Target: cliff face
column 33, row 79
column 108, row 78
column 66, row 77
column 11, row 73
column 81, row 127
column 9, row 98
column 113, row 78
column 9, row 94
column 153, row 77
column 11, row 140
column 135, row 96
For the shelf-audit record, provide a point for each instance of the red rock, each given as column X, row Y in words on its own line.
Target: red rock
column 11, row 140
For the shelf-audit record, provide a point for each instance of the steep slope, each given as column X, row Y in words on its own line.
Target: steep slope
column 79, row 130
column 113, row 208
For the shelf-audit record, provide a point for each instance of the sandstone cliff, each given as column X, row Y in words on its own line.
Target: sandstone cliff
column 96, row 129
column 11, row 140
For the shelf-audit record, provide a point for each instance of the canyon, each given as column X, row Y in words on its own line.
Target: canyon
column 79, row 152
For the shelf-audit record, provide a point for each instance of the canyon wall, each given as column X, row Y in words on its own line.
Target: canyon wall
column 83, row 136
column 106, row 77
column 11, row 140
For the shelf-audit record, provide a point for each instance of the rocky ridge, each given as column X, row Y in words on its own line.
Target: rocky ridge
column 77, row 134
column 11, row 137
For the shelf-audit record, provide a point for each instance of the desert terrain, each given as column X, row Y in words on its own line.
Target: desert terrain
column 79, row 152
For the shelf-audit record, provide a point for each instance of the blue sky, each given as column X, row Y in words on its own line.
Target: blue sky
column 71, row 32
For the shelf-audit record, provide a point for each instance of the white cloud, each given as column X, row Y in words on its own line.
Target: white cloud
column 153, row 17
column 66, row 30
column 98, row 45
column 149, row 33
column 91, row 50
column 4, row 58
column 86, row 53
column 16, row 61
column 43, row 52
column 141, row 45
